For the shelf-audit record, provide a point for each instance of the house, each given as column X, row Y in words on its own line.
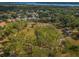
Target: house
column 77, row 14
column 11, row 20
column 2, row 23
column 67, row 32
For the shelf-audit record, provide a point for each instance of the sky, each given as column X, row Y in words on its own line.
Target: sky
column 42, row 3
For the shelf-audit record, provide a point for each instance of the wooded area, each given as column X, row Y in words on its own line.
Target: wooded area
column 39, row 31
